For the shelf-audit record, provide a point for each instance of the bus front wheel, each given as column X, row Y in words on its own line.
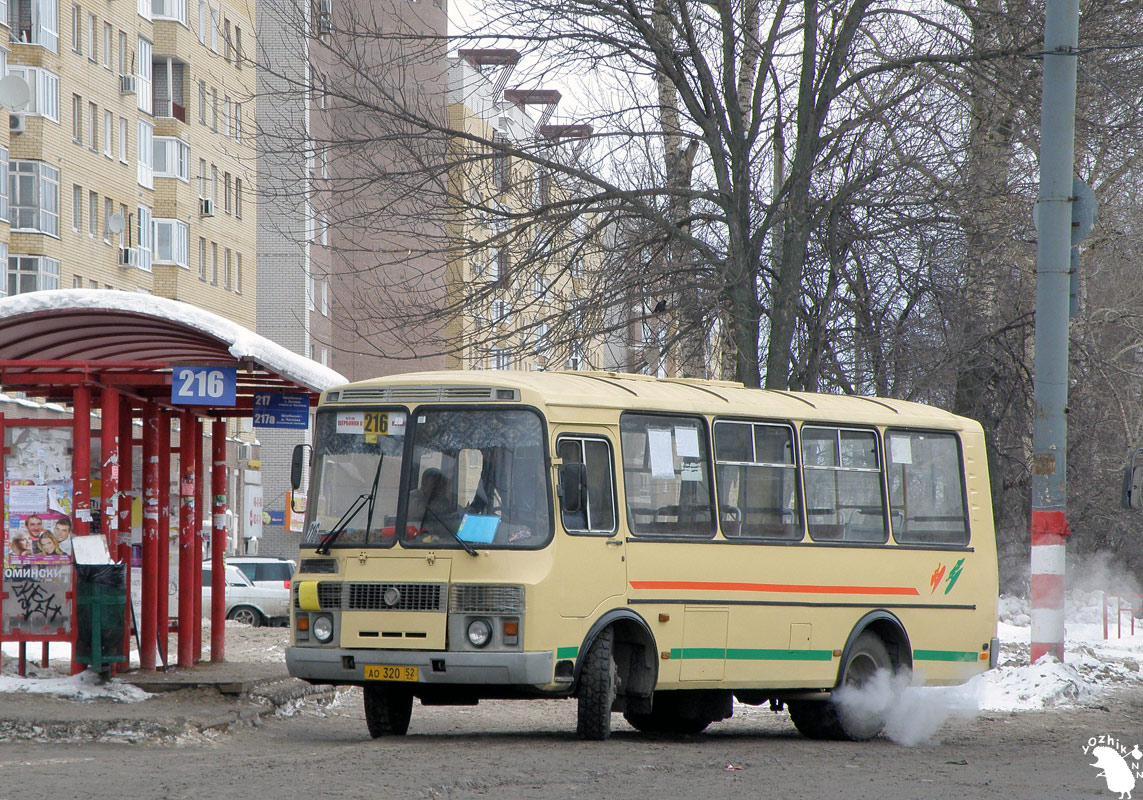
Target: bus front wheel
column 598, row 679
column 818, row 719
column 387, row 709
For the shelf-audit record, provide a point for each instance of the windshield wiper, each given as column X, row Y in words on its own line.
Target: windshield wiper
column 351, row 512
column 339, row 528
column 467, row 547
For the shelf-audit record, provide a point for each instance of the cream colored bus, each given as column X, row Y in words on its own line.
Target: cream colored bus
column 657, row 548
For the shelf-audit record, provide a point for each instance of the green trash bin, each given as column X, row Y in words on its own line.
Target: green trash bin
column 101, row 608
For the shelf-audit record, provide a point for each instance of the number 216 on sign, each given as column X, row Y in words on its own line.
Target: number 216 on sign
column 204, row 386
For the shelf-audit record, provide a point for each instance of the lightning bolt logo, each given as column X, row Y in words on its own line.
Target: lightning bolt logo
column 954, row 573
column 938, row 573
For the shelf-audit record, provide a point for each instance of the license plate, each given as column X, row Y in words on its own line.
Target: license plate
column 386, row 672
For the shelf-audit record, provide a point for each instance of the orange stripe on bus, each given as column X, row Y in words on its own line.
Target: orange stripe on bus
column 773, row 587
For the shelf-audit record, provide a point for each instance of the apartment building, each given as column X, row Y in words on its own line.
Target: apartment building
column 130, row 167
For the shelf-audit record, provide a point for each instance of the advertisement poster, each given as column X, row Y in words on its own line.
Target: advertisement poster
column 37, row 533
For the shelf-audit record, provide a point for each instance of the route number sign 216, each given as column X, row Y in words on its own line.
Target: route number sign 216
column 204, row 386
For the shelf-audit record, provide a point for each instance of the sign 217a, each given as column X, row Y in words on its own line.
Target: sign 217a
column 204, row 386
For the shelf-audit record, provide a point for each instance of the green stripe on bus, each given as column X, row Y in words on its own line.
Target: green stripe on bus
column 567, row 652
column 745, row 654
column 945, row 655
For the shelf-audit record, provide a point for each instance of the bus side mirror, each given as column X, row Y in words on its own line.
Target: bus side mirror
column 296, row 466
column 571, row 486
column 1132, row 488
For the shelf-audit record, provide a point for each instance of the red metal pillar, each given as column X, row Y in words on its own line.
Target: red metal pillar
column 109, row 468
column 81, row 459
column 200, row 507
column 126, row 465
column 163, row 581
column 218, row 539
column 81, row 485
column 148, row 596
column 187, row 588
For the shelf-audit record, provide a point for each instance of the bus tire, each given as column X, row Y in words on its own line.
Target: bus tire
column 828, row 720
column 387, row 709
column 598, row 679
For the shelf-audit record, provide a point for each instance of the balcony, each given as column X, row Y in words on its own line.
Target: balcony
column 170, row 109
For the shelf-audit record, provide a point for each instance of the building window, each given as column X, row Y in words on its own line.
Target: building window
column 123, row 139
column 32, row 274
column 214, row 29
column 143, row 70
column 239, row 53
column 171, row 238
column 77, row 119
column 107, row 45
column 177, row 10
column 203, row 179
column 237, row 122
column 202, row 21
column 144, row 234
column 214, row 184
column 238, row 273
column 76, row 32
column 226, row 115
column 226, row 41
column 144, row 8
column 35, row 22
column 108, row 129
column 93, row 126
column 226, row 192
column 238, row 198
column 76, row 208
column 201, row 259
column 108, row 210
column 92, row 214
column 146, row 171
column 214, row 109
column 227, row 267
column 325, row 297
column 172, row 158
column 92, row 47
column 214, row 263
column 34, row 189
column 501, row 358
column 202, row 102
column 3, row 183
column 44, row 91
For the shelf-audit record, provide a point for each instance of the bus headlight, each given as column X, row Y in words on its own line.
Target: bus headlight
column 322, row 628
column 479, row 632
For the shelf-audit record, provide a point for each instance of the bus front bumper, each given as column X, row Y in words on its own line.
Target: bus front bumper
column 340, row 665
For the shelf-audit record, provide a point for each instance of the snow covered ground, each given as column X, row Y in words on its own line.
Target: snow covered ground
column 1092, row 666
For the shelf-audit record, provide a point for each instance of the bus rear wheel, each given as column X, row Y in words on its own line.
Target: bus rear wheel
column 598, row 680
column 387, row 710
column 829, row 720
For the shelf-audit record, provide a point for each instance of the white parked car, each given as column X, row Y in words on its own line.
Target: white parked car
column 269, row 573
column 245, row 602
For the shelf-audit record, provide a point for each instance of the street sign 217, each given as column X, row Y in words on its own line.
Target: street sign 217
column 204, row 386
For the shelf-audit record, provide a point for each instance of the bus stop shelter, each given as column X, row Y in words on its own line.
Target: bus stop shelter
column 120, row 359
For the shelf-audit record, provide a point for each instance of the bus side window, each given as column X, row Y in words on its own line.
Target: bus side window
column 757, row 480
column 666, row 475
column 926, row 488
column 844, row 501
column 597, row 515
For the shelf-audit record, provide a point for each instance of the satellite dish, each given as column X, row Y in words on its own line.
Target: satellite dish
column 115, row 223
column 14, row 93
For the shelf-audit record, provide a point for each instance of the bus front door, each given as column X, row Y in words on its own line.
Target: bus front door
column 591, row 561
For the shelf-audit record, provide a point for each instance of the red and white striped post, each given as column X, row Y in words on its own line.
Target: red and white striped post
column 1049, row 533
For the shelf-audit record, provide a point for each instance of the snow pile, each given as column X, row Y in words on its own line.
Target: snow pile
column 85, row 686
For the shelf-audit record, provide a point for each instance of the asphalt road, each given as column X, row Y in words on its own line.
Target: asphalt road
column 523, row 749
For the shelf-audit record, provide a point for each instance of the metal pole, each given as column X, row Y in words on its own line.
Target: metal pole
column 198, row 509
column 109, row 468
column 218, row 537
column 148, row 594
column 1053, row 260
column 81, row 459
column 164, row 546
column 126, row 466
column 187, row 589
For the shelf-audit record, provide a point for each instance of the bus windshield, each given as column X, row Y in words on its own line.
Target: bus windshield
column 476, row 478
column 478, row 474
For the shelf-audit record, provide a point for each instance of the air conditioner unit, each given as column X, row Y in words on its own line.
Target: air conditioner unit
column 127, row 84
column 206, row 206
column 128, row 257
column 16, row 123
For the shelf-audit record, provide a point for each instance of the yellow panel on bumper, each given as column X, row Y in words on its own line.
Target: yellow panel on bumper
column 393, row 630
column 308, row 596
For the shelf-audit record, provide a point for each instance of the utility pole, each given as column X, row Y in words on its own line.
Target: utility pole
column 1053, row 267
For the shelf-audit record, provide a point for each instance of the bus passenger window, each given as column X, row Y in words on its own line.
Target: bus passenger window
column 844, row 501
column 926, row 488
column 666, row 473
column 757, row 480
column 597, row 515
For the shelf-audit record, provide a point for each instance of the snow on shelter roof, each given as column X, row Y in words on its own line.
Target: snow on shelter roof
column 106, row 327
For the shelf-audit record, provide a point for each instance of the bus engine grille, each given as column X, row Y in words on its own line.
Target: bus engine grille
column 394, row 596
column 487, row 599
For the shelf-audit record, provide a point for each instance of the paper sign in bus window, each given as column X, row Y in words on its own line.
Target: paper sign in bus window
column 478, row 528
column 687, row 442
column 900, row 450
column 662, row 455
